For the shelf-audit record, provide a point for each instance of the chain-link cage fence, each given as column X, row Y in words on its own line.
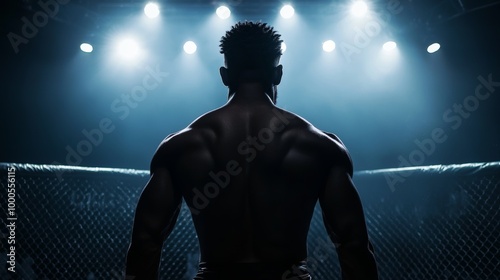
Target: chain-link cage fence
column 438, row 222
column 425, row 223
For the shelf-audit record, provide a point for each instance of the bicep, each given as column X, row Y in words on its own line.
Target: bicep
column 342, row 210
column 158, row 206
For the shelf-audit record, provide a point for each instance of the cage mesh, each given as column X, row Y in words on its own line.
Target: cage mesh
column 75, row 223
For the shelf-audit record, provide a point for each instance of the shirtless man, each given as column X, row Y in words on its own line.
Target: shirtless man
column 251, row 174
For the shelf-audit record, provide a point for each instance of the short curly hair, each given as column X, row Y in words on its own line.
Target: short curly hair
column 251, row 45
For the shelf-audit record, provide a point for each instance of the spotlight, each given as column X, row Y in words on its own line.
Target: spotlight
column 432, row 48
column 128, row 48
column 328, row 46
column 190, row 47
column 390, row 45
column 151, row 10
column 287, row 11
column 223, row 12
column 86, row 47
column 359, row 8
column 283, row 47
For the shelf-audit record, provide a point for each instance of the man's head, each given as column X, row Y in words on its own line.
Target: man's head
column 251, row 53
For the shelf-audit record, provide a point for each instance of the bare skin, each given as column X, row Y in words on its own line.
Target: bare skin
column 261, row 171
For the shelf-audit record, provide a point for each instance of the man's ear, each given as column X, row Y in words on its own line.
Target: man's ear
column 224, row 76
column 278, row 73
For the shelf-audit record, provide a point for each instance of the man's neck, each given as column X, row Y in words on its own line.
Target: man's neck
column 251, row 93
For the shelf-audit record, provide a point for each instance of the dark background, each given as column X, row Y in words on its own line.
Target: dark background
column 51, row 91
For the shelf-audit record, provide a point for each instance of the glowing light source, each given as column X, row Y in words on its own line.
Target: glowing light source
column 359, row 8
column 328, row 46
column 86, row 47
column 432, row 48
column 223, row 12
column 287, row 11
column 151, row 10
column 390, row 45
column 128, row 48
column 190, row 47
column 283, row 47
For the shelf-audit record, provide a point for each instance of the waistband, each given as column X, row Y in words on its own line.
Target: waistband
column 253, row 271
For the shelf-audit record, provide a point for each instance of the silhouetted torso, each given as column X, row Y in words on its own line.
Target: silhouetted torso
column 251, row 175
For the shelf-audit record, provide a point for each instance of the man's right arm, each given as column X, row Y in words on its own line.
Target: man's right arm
column 155, row 216
column 345, row 223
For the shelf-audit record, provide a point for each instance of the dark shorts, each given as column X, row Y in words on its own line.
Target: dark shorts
column 253, row 271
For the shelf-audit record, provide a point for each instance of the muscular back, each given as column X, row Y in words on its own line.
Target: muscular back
column 251, row 176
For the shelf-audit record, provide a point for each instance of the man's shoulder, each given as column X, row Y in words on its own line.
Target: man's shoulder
column 290, row 118
column 324, row 140
column 334, row 141
column 198, row 133
column 185, row 138
column 339, row 151
column 326, row 143
column 176, row 144
column 308, row 131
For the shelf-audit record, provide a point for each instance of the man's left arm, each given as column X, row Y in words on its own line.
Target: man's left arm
column 155, row 217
